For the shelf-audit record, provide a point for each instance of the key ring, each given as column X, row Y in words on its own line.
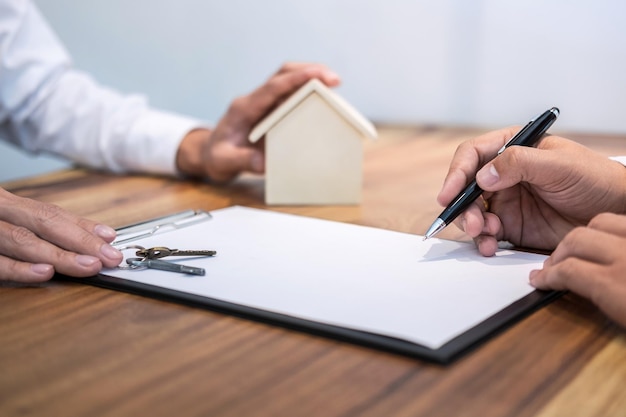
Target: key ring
column 128, row 266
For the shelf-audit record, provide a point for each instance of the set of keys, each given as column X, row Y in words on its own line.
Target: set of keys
column 151, row 258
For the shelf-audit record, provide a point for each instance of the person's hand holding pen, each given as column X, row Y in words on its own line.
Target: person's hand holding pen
column 533, row 196
column 558, row 196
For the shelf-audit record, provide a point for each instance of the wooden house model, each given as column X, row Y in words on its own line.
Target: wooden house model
column 313, row 148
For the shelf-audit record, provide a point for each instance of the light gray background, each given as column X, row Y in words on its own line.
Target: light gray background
column 486, row 63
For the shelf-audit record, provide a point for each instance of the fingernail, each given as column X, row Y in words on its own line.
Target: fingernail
column 488, row 175
column 110, row 252
column 105, row 232
column 42, row 269
column 86, row 260
column 533, row 276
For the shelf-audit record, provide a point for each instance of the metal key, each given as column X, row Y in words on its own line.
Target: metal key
column 164, row 266
column 158, row 252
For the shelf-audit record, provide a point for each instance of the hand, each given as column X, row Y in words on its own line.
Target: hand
column 535, row 195
column 39, row 239
column 225, row 152
column 590, row 261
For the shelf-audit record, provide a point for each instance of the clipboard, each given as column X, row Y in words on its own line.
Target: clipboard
column 326, row 293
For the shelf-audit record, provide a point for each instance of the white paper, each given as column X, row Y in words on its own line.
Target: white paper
column 363, row 278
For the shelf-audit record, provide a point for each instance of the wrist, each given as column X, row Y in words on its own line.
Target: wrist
column 623, row 184
column 189, row 160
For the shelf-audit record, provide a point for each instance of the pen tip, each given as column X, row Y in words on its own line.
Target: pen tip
column 435, row 228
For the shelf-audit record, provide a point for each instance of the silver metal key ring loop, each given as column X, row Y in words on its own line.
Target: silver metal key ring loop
column 128, row 266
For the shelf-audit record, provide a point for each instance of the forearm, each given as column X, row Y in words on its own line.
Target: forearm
column 103, row 129
column 48, row 106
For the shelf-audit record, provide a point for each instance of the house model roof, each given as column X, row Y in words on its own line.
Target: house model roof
column 314, row 86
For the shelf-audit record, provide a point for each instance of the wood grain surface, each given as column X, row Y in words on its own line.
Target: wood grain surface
column 68, row 349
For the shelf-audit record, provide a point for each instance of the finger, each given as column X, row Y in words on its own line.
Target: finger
column 487, row 240
column 17, row 271
column 236, row 159
column 319, row 71
column 468, row 158
column 585, row 244
column 612, row 223
column 63, row 229
column 106, row 233
column 487, row 245
column 492, row 225
column 21, row 244
column 577, row 275
column 473, row 220
column 539, row 166
column 291, row 66
column 248, row 110
column 514, row 165
column 589, row 280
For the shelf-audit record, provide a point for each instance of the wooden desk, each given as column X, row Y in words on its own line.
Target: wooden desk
column 76, row 350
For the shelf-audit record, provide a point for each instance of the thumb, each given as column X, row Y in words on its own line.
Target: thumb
column 519, row 164
column 243, row 159
column 256, row 160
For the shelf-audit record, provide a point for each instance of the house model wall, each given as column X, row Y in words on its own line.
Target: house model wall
column 314, row 149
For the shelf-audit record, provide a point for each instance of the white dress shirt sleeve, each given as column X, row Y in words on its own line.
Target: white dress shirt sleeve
column 48, row 106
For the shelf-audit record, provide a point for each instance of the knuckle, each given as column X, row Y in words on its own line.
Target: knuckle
column 512, row 156
column 465, row 146
column 238, row 103
column 21, row 236
column 574, row 237
column 48, row 213
column 242, row 109
column 551, row 142
column 600, row 219
column 565, row 270
column 238, row 106
column 87, row 240
column 571, row 242
column 561, row 274
column 287, row 66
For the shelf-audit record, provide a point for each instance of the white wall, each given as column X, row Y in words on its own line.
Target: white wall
column 488, row 63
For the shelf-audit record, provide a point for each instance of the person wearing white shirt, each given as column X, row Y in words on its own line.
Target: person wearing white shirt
column 560, row 197
column 46, row 105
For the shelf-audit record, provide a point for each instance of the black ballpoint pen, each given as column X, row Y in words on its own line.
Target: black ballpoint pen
column 527, row 136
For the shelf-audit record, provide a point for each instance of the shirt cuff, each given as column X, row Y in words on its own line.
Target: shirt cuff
column 620, row 159
column 156, row 136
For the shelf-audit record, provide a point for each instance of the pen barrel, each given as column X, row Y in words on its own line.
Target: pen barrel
column 527, row 136
column 532, row 132
column 461, row 202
